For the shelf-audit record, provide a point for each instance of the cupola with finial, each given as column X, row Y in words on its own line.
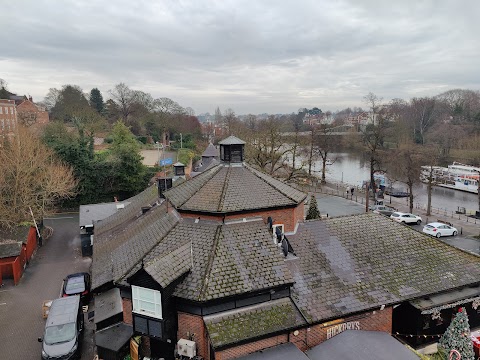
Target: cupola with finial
column 232, row 150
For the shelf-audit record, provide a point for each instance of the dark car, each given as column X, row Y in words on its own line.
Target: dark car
column 77, row 284
column 382, row 209
column 63, row 334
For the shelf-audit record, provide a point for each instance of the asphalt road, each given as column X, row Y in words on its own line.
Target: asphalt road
column 21, row 321
column 338, row 206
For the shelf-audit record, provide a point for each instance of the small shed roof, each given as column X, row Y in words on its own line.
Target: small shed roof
column 178, row 163
column 108, row 304
column 287, row 351
column 10, row 248
column 17, row 233
column 361, row 345
column 114, row 337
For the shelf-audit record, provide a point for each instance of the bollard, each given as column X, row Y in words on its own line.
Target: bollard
column 461, row 231
column 327, row 215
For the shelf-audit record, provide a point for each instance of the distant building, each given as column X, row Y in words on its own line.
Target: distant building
column 30, row 113
column 8, row 116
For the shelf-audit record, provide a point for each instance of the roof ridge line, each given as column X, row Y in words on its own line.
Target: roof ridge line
column 255, row 172
column 211, row 257
column 214, row 170
column 224, row 189
column 149, row 250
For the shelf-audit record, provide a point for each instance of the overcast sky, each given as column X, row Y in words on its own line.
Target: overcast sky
column 252, row 56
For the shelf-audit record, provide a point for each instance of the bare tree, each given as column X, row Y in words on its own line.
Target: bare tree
column 266, row 146
column 229, row 118
column 424, row 112
column 30, row 176
column 125, row 98
column 406, row 167
column 431, row 156
column 373, row 135
column 295, row 145
column 51, row 98
column 325, row 142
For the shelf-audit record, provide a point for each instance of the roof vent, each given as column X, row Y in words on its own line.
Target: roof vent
column 145, row 209
column 232, row 150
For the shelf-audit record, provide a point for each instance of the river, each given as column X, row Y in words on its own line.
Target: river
column 354, row 169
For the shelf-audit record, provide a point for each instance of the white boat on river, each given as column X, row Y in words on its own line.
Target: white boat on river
column 456, row 176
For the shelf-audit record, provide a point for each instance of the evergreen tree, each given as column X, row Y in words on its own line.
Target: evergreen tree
column 457, row 336
column 313, row 212
column 96, row 100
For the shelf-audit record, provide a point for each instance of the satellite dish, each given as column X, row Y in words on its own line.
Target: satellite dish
column 285, row 247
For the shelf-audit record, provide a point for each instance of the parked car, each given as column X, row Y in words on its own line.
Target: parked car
column 439, row 229
column 406, row 218
column 77, row 284
column 382, row 209
column 63, row 333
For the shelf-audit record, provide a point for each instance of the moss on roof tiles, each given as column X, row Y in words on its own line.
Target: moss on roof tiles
column 355, row 263
column 225, row 189
column 253, row 322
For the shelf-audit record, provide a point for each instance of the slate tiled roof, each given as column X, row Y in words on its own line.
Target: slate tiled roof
column 170, row 267
column 356, row 263
column 251, row 322
column 9, row 248
column 228, row 259
column 17, row 233
column 130, row 212
column 231, row 140
column 211, row 151
column 114, row 255
column 225, row 189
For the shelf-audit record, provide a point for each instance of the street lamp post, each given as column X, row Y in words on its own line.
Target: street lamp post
column 158, row 150
column 181, row 141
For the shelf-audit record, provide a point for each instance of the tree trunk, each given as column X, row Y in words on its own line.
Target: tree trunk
column 410, row 196
column 429, row 190
column 372, row 178
column 324, row 166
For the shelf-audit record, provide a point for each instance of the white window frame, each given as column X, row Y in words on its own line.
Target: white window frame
column 1, row 110
column 142, row 296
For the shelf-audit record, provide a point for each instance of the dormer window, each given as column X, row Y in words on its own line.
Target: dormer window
column 232, row 150
column 147, row 302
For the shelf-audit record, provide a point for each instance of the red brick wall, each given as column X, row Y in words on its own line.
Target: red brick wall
column 27, row 108
column 246, row 349
column 127, row 311
column 307, row 338
column 373, row 321
column 31, row 243
column 289, row 216
column 188, row 324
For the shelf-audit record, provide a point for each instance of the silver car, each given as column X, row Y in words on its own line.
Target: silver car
column 406, row 218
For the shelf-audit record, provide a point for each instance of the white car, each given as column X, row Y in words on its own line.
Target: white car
column 406, row 218
column 439, row 229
